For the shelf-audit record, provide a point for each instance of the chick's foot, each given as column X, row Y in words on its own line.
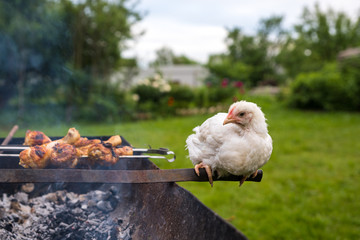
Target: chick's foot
column 207, row 169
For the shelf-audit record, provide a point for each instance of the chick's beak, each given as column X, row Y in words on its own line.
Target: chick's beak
column 228, row 119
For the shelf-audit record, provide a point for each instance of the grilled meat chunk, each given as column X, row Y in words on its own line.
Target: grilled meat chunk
column 33, row 138
column 83, row 144
column 64, row 155
column 71, row 137
column 35, row 157
column 106, row 155
column 124, row 151
column 114, row 141
column 102, row 154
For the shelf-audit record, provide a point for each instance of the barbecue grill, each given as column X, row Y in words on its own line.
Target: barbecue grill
column 147, row 197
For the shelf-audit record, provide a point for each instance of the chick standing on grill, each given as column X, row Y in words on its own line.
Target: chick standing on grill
column 234, row 143
column 39, row 156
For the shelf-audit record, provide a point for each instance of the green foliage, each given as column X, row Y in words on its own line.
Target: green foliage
column 317, row 40
column 250, row 59
column 318, row 84
column 325, row 89
column 165, row 56
column 218, row 95
column 32, row 36
column 106, row 104
column 152, row 96
column 148, row 93
column 96, row 36
column 221, row 66
column 61, row 53
column 181, row 96
column 350, row 69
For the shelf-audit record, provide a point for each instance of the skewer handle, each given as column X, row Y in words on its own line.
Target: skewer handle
column 10, row 136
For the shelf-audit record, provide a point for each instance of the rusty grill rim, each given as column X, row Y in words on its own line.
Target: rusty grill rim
column 108, row 175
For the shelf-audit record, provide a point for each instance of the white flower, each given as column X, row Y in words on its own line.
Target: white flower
column 135, row 97
column 166, row 88
column 146, row 81
column 157, row 81
column 157, row 77
column 155, row 84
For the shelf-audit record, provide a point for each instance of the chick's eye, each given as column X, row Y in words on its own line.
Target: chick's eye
column 241, row 114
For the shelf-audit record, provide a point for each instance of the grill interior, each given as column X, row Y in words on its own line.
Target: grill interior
column 148, row 210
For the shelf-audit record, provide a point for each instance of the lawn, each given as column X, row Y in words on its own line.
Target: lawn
column 311, row 184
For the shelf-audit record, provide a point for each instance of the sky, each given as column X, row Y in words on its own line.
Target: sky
column 197, row 28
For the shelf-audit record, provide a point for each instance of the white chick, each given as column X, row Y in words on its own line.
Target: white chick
column 234, row 143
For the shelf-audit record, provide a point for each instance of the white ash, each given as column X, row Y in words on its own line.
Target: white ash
column 62, row 215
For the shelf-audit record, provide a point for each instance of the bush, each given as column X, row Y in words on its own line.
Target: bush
column 221, row 94
column 106, row 104
column 153, row 96
column 350, row 69
column 180, row 96
column 326, row 89
column 148, row 93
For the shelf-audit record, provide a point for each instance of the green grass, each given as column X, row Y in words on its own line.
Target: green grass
column 311, row 184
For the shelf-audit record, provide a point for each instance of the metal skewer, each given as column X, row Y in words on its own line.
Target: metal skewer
column 120, row 157
column 163, row 153
column 13, row 147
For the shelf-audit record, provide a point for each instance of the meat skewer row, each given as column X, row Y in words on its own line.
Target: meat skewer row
column 66, row 155
column 72, row 155
column 63, row 152
column 73, row 150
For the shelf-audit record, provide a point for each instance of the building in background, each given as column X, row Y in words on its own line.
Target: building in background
column 190, row 75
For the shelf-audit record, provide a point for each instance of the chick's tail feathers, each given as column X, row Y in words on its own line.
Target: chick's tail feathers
column 193, row 147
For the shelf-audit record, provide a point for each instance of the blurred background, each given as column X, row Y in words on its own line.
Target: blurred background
column 152, row 70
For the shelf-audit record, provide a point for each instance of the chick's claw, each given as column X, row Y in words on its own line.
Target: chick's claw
column 243, row 180
column 207, row 169
column 254, row 174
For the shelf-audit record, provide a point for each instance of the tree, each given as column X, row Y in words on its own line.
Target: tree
column 248, row 58
column 165, row 56
column 98, row 42
column 60, row 52
column 100, row 30
column 33, row 39
column 317, row 40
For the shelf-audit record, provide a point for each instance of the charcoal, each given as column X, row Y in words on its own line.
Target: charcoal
column 61, row 196
column 62, row 215
column 91, row 203
column 76, row 211
column 2, row 212
column 28, row 187
column 104, row 206
column 15, row 205
column 51, row 197
column 22, row 197
column 73, row 203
